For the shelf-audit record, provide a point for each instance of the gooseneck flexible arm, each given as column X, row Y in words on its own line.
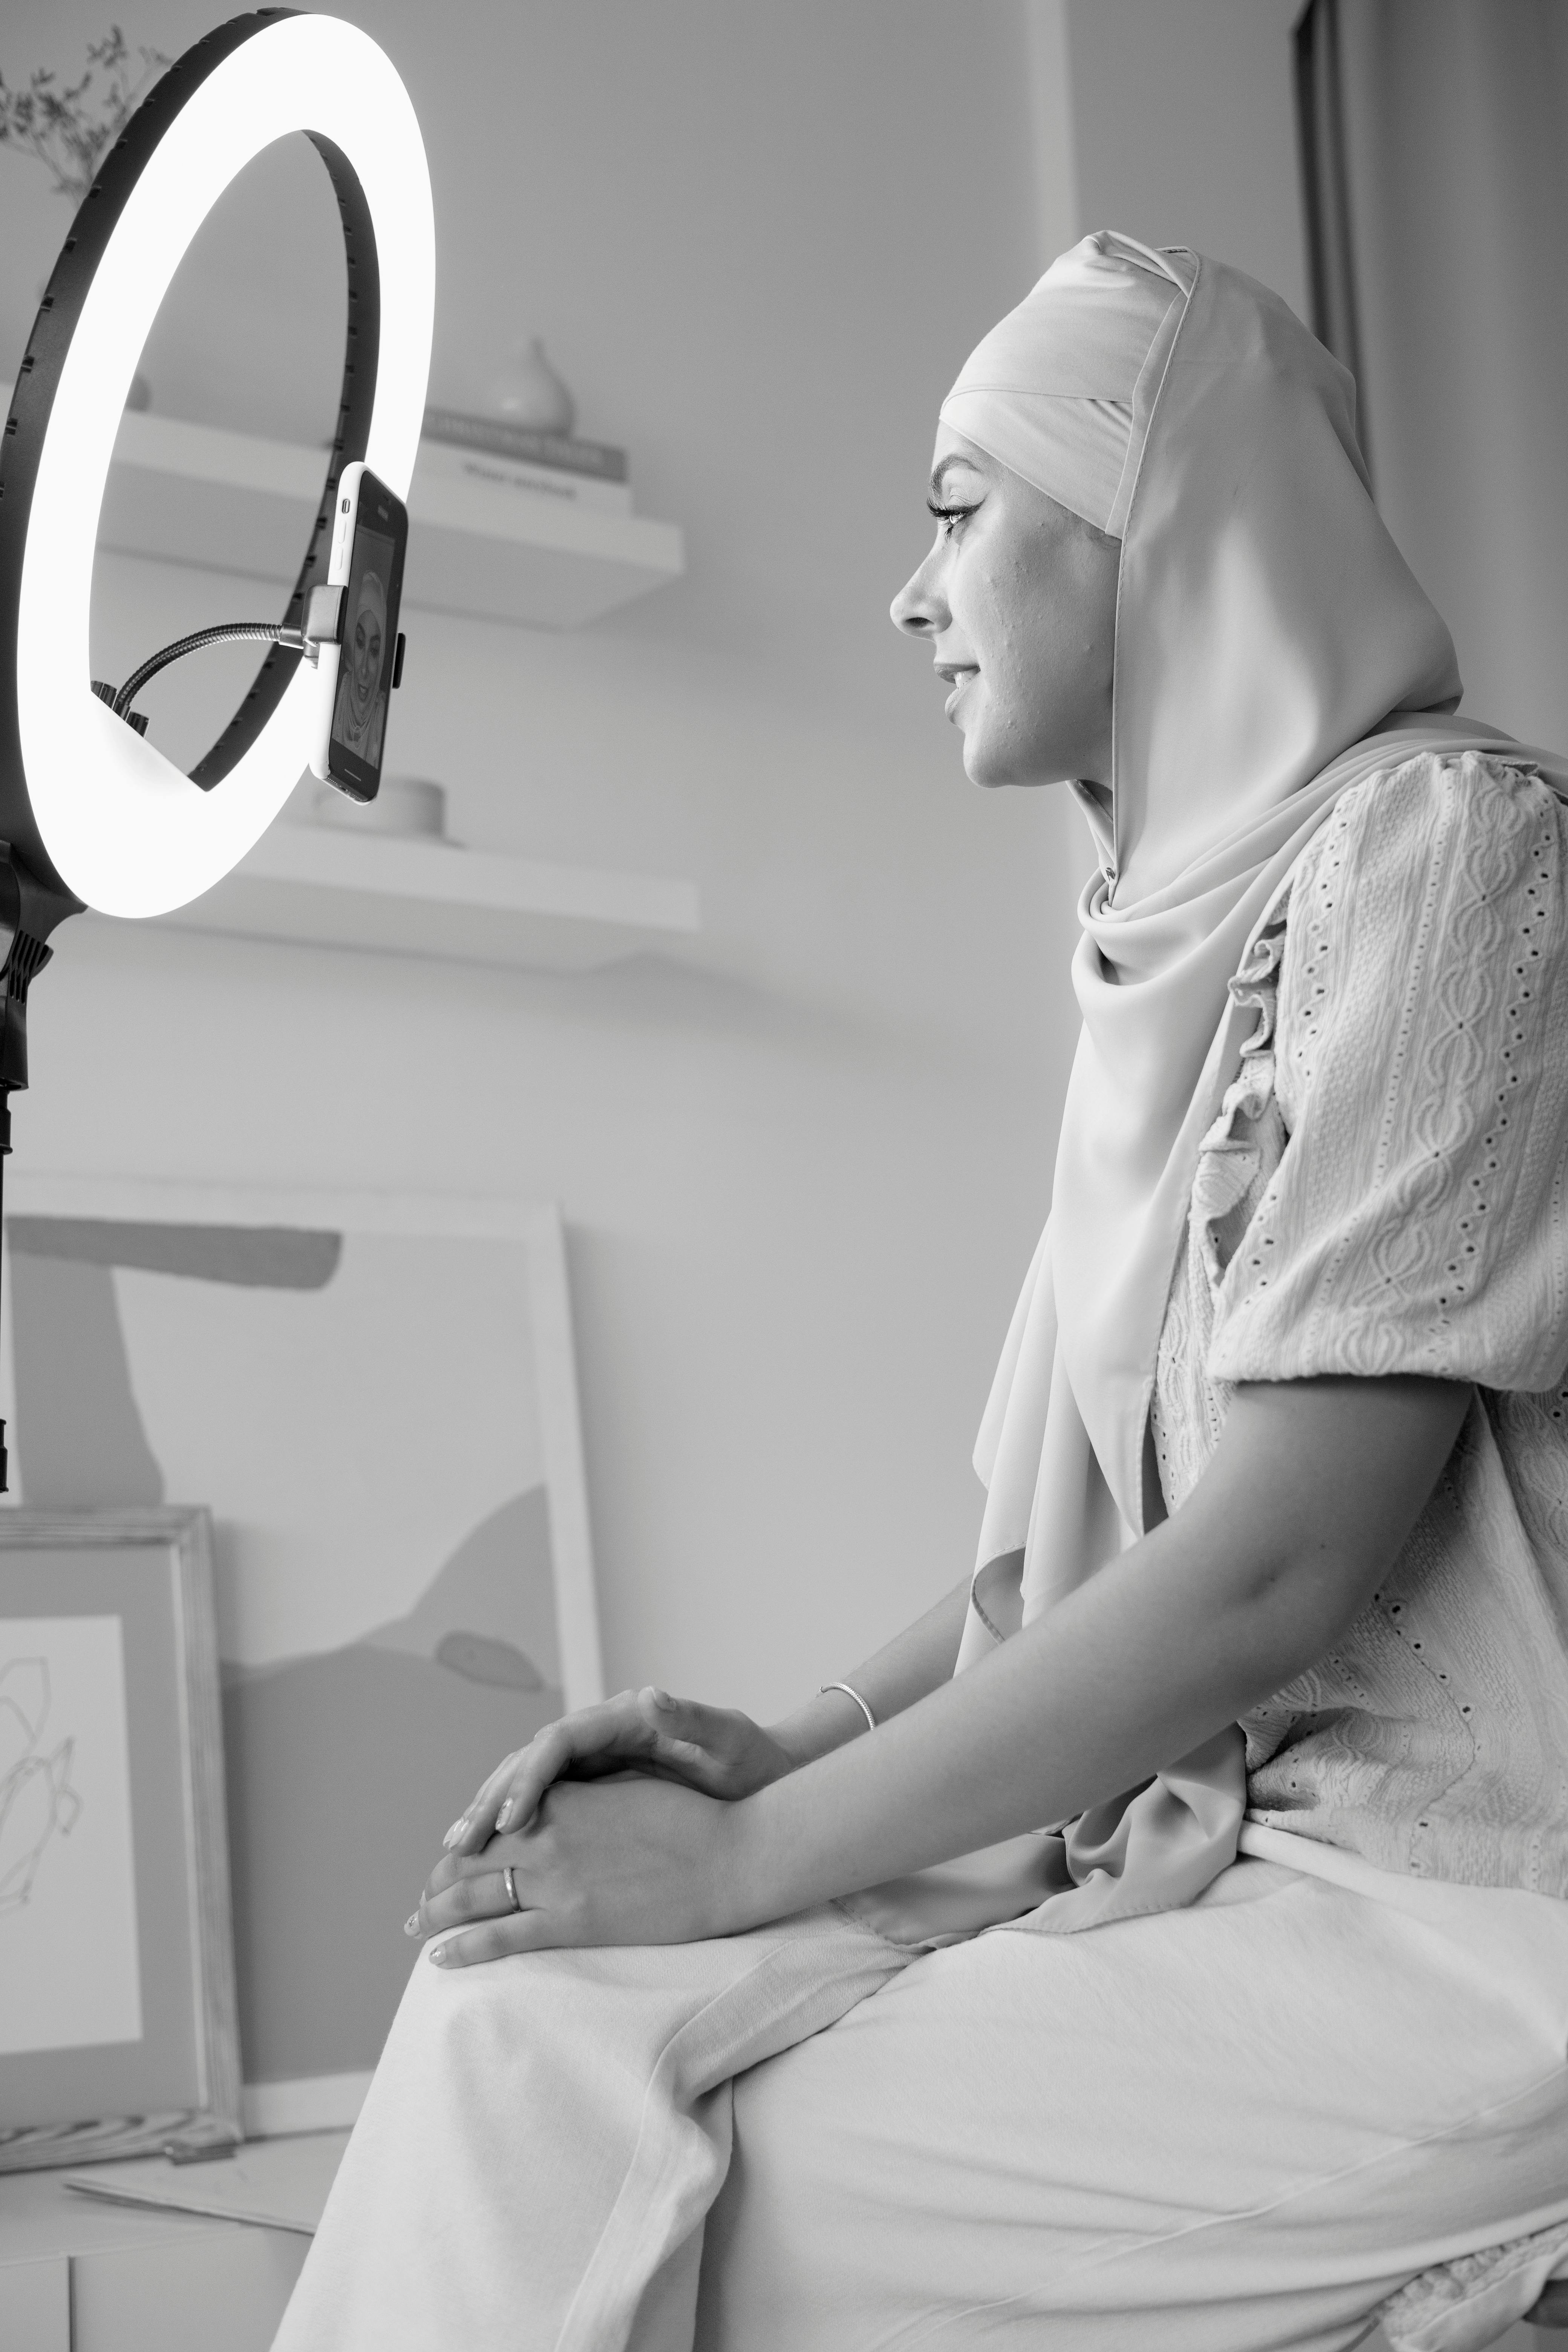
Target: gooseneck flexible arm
column 222, row 632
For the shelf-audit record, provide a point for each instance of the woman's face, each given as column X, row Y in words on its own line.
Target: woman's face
column 364, row 657
column 1017, row 601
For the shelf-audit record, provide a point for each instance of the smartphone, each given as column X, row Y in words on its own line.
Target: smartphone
column 370, row 538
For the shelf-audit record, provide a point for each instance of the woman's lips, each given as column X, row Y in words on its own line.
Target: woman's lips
column 960, row 680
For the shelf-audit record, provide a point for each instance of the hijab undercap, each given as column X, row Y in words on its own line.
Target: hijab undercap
column 1273, row 649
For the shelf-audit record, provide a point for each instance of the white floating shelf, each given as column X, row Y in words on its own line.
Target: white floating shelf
column 318, row 885
column 230, row 503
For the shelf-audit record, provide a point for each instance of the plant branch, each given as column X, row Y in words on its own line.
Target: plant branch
column 71, row 126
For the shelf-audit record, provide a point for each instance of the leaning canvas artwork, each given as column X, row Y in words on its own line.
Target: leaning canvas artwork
column 376, row 1399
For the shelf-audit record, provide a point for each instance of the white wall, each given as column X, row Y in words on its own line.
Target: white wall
column 804, row 1165
column 1181, row 130
column 1184, row 129
column 1458, row 115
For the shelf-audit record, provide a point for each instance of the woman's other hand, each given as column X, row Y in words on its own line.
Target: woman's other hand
column 635, row 1863
column 713, row 1749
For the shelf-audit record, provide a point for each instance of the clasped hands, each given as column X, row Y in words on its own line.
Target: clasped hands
column 617, row 1825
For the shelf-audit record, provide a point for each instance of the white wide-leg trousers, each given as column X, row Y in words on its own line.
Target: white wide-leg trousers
column 1236, row 2127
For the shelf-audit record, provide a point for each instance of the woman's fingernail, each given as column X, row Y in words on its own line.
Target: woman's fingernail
column 662, row 1699
column 437, row 1953
column 456, row 1832
column 410, row 1925
column 504, row 1815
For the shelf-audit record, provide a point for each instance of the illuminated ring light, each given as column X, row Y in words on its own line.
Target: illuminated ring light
column 88, row 804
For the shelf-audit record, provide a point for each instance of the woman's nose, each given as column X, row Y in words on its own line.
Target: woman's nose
column 918, row 609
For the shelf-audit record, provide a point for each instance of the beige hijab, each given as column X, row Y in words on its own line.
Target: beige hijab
column 1273, row 649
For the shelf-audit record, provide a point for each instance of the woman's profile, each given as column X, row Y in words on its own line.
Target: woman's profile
column 1163, row 1941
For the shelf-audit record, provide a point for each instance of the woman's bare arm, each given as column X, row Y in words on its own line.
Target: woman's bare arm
column 715, row 1749
column 1307, row 1502
column 909, row 1666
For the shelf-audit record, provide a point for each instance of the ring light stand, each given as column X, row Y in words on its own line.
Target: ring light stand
column 91, row 814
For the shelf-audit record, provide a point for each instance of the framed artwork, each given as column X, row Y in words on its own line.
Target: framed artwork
column 118, row 2024
column 374, row 1397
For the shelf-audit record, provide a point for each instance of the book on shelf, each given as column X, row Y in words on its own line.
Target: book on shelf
column 448, row 461
column 498, row 438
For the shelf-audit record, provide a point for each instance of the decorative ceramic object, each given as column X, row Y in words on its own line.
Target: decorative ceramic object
column 411, row 806
column 529, row 392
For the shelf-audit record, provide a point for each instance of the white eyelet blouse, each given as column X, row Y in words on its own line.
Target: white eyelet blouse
column 1386, row 1191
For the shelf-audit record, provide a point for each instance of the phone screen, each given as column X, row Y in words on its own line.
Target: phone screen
column 369, row 639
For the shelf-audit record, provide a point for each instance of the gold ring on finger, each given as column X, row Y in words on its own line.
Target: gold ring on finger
column 509, row 1881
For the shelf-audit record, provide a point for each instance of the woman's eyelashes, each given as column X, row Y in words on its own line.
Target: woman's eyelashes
column 950, row 517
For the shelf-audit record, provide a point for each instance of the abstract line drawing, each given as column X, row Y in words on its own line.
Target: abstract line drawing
column 36, row 1799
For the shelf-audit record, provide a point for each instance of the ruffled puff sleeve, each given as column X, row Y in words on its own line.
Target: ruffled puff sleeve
column 1417, row 1218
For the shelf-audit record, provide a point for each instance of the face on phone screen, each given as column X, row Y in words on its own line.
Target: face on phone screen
column 364, row 667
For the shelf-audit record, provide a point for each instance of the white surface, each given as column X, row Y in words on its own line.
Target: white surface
column 1454, row 118
column 327, row 1383
column 195, row 494
column 315, row 2103
column 273, row 2184
column 126, row 830
column 69, row 1974
column 410, row 808
column 421, row 897
column 215, row 2287
column 1050, row 87
column 520, row 556
column 454, row 461
column 1183, row 128
column 80, row 2274
column 35, row 2306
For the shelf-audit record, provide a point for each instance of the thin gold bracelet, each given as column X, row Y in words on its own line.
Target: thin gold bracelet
column 849, row 1691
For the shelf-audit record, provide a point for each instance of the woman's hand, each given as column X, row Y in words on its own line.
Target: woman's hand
column 633, row 1862
column 712, row 1749
column 1310, row 1496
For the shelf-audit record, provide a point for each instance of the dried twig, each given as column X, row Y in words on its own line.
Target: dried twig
column 71, row 126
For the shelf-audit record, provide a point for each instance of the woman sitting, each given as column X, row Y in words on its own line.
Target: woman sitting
column 814, row 2038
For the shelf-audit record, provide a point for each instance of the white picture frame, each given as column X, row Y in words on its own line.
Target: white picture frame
column 374, row 1395
column 119, row 2032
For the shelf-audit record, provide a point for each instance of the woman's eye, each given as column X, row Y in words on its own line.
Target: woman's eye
column 949, row 517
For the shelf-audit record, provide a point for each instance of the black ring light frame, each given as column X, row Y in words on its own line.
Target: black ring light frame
column 33, row 898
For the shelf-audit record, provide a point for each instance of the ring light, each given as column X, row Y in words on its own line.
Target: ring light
column 97, row 814
column 92, row 813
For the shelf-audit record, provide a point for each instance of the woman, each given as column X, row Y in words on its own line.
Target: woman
column 1273, row 1572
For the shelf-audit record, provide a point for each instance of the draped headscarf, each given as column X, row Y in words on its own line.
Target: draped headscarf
column 1273, row 649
